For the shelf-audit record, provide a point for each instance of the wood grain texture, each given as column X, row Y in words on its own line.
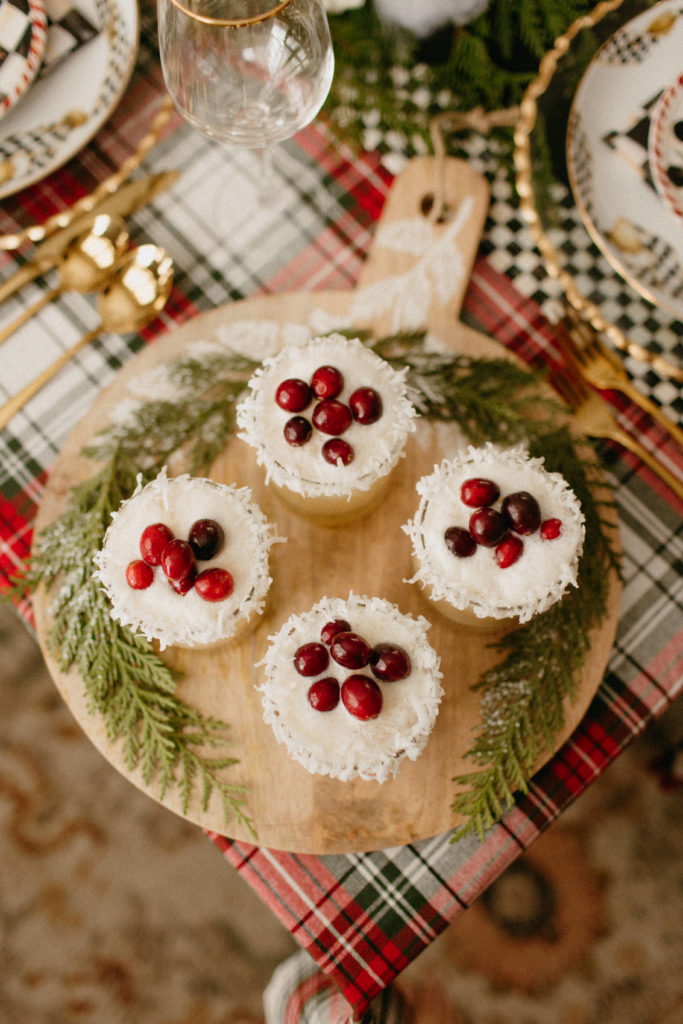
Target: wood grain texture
column 293, row 809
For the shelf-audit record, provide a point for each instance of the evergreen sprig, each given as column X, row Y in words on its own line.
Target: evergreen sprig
column 195, row 421
column 487, row 63
column 523, row 697
column 490, row 399
column 126, row 682
column 132, row 689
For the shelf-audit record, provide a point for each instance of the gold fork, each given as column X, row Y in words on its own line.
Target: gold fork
column 595, row 420
column 581, row 345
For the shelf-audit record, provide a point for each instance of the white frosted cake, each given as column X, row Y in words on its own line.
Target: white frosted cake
column 185, row 561
column 352, row 687
column 496, row 536
column 328, row 420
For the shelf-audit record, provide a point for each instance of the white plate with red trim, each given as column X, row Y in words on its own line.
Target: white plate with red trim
column 608, row 155
column 666, row 146
column 23, row 25
column 65, row 108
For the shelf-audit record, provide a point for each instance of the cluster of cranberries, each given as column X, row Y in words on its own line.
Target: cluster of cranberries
column 502, row 530
column 178, row 560
column 359, row 693
column 329, row 415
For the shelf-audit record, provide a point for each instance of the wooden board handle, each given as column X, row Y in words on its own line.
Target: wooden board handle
column 418, row 270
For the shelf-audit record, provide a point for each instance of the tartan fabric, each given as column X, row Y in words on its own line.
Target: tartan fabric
column 298, row 993
column 362, row 917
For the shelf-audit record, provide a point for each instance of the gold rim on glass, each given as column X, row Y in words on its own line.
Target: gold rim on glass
column 255, row 19
column 525, row 190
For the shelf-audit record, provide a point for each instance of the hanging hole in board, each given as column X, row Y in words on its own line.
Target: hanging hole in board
column 443, row 215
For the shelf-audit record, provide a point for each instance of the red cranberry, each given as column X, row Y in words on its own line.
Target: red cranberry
column 350, row 650
column 178, row 559
column 311, row 659
column 362, row 697
column 487, row 526
column 551, row 529
column 293, row 395
column 323, row 694
column 479, row 492
column 508, row 551
column 327, row 382
column 206, row 538
column 214, row 584
column 390, row 662
column 186, row 583
column 366, row 405
column 460, row 542
column 522, row 512
column 330, row 630
column 297, row 431
column 139, row 574
column 153, row 541
column 332, row 417
column 336, row 450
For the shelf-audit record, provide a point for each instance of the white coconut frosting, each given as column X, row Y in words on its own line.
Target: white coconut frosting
column 477, row 583
column 334, row 743
column 377, row 447
column 158, row 611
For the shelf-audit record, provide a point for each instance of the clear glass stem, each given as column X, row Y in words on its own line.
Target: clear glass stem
column 268, row 188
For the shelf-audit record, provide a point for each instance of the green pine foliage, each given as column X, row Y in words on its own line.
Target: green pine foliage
column 130, row 687
column 487, row 63
column 523, row 696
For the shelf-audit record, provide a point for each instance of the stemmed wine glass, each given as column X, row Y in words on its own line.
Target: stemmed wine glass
column 248, row 73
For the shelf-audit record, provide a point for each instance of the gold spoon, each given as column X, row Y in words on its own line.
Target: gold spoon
column 136, row 292
column 86, row 263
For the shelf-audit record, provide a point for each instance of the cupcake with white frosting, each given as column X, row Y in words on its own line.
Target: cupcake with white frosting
column 185, row 561
column 329, row 420
column 496, row 537
column 352, row 687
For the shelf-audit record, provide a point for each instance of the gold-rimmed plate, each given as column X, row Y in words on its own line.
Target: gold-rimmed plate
column 601, row 292
column 608, row 158
column 64, row 109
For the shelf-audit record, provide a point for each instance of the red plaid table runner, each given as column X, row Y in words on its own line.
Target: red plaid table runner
column 363, row 917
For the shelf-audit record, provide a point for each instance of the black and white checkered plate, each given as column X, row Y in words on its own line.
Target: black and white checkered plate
column 22, row 43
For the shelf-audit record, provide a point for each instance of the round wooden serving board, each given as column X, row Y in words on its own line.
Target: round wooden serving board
column 292, row 809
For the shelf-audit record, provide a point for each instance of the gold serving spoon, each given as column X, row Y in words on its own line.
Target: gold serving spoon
column 136, row 292
column 85, row 266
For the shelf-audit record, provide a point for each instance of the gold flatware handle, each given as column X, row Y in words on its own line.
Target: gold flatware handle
column 17, row 402
column 87, row 204
column 644, row 403
column 23, row 276
column 129, row 198
column 626, row 441
column 603, row 370
column 26, row 314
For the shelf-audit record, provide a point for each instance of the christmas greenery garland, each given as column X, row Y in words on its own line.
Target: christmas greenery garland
column 132, row 689
column 388, row 82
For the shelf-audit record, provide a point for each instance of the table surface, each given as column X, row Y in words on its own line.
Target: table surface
column 363, row 917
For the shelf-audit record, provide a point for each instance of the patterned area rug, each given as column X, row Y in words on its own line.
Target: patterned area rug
column 113, row 910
